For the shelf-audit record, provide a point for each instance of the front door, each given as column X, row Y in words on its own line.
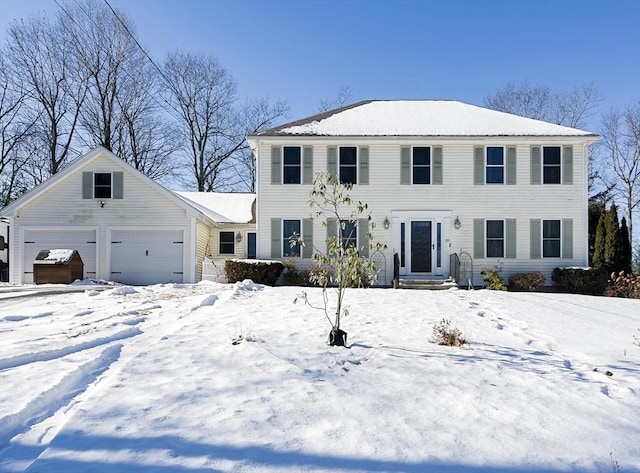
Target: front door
column 421, row 246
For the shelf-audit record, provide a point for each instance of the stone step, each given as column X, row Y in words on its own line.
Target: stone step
column 427, row 284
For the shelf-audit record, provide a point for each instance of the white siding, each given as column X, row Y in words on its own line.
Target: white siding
column 457, row 194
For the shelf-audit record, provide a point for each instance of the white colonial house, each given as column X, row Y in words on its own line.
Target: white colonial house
column 125, row 226
column 442, row 179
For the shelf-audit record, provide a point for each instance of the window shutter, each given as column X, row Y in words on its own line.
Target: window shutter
column 276, row 165
column 364, row 165
column 332, row 160
column 511, row 165
column 536, row 166
column 405, row 165
column 277, row 239
column 510, row 251
column 437, row 165
column 307, row 165
column 332, row 230
column 535, row 236
column 478, row 165
column 307, row 237
column 87, row 185
column 567, row 238
column 567, row 165
column 478, row 238
column 118, row 185
column 363, row 237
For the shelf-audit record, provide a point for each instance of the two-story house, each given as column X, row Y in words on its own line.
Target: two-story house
column 440, row 178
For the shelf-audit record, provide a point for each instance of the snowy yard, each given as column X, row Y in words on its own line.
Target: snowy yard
column 147, row 379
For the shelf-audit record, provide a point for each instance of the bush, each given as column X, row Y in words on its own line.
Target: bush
column 493, row 280
column 526, row 281
column 260, row 272
column 580, row 281
column 444, row 334
column 624, row 285
column 292, row 276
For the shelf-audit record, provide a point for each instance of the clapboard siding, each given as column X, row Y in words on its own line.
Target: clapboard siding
column 457, row 194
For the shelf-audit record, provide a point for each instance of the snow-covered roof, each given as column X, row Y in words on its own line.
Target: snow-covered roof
column 222, row 207
column 420, row 118
column 55, row 256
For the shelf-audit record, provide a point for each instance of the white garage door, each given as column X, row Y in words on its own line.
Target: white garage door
column 84, row 241
column 146, row 257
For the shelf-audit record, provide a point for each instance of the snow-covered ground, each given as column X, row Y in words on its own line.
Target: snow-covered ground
column 236, row 378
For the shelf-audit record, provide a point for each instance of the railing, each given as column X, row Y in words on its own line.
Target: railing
column 461, row 269
column 396, row 270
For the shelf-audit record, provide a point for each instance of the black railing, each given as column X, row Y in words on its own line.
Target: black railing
column 396, row 270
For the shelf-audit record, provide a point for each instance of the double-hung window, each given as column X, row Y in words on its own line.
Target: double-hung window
column 551, row 164
column 495, row 238
column 494, row 165
column 551, row 242
column 290, row 228
column 421, row 165
column 102, row 185
column 348, row 165
column 227, row 243
column 292, row 164
column 348, row 233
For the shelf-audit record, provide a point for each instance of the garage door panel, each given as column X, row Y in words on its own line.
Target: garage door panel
column 84, row 241
column 147, row 257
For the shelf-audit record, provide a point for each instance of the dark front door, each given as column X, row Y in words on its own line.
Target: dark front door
column 251, row 245
column 421, row 246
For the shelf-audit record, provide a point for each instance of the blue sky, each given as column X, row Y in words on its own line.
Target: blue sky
column 305, row 51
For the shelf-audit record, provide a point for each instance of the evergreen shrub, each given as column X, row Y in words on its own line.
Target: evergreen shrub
column 581, row 281
column 260, row 272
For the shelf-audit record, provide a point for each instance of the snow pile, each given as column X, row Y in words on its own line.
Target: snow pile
column 59, row 255
column 237, row 378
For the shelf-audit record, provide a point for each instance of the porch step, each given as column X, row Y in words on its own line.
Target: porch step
column 427, row 284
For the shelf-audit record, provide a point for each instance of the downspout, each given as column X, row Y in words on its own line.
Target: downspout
column 193, row 253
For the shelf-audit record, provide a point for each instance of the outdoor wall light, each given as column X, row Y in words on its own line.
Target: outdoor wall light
column 386, row 223
column 239, row 237
column 456, row 223
column 101, row 203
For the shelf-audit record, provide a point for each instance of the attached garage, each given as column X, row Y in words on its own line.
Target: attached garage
column 82, row 240
column 141, row 257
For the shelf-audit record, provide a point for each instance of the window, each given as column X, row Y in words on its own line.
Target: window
column 551, row 238
column 495, row 165
column 495, row 238
column 102, row 185
column 289, row 228
column 292, row 165
column 348, row 165
column 349, row 233
column 421, row 165
column 227, row 243
column 551, row 164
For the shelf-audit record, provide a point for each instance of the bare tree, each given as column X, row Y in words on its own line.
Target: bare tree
column 572, row 109
column 621, row 142
column 344, row 97
column 254, row 116
column 39, row 55
column 202, row 93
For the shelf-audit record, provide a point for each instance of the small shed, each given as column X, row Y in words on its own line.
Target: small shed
column 57, row 266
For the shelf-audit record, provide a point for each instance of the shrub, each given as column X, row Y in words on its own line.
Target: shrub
column 580, row 281
column 292, row 276
column 260, row 272
column 624, row 285
column 526, row 281
column 493, row 280
column 446, row 335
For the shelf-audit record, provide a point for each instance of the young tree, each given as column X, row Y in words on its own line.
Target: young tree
column 599, row 243
column 612, row 249
column 343, row 264
column 625, row 247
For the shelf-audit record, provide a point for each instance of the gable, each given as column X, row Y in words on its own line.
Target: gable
column 68, row 197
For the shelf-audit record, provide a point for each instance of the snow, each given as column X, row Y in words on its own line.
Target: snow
column 222, row 207
column 237, row 378
column 59, row 255
column 424, row 118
